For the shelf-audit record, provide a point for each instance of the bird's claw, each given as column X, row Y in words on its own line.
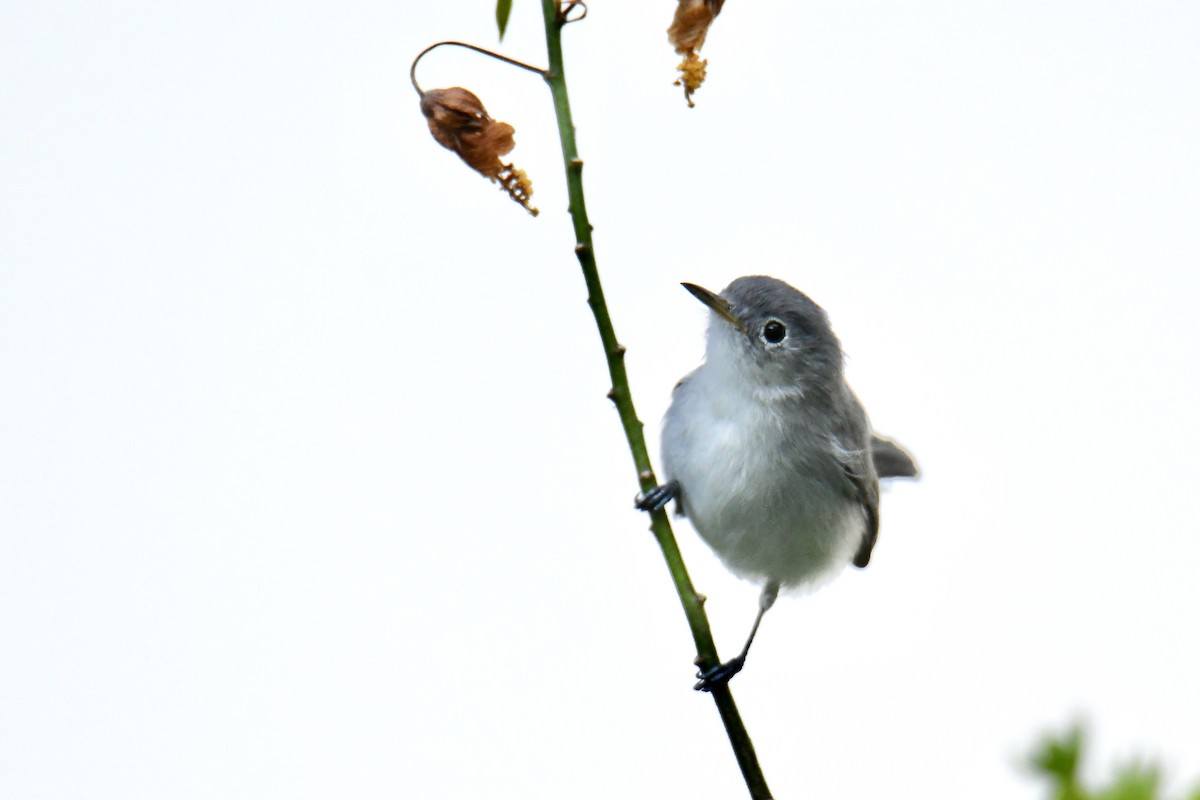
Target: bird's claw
column 658, row 497
column 718, row 676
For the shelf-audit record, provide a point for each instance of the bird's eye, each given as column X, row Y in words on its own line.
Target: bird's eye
column 773, row 331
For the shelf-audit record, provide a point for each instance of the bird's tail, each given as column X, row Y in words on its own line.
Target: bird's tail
column 892, row 460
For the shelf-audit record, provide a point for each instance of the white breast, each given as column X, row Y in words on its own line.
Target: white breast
column 769, row 502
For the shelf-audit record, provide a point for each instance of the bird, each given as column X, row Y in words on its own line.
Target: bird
column 768, row 451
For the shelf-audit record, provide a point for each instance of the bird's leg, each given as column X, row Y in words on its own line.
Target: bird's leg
column 719, row 675
column 657, row 497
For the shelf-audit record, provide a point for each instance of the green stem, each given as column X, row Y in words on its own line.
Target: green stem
column 693, row 606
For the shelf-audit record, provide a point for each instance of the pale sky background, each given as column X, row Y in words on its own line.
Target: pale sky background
column 308, row 483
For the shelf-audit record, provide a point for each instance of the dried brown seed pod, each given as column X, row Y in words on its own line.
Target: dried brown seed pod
column 459, row 122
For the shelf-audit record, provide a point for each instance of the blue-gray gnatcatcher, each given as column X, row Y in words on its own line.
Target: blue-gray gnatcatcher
column 768, row 451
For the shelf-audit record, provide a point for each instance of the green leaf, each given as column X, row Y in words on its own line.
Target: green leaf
column 1134, row 781
column 1059, row 756
column 503, row 9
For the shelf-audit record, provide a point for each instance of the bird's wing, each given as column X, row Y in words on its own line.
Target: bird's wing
column 853, row 452
column 680, row 510
column 889, row 460
column 865, row 488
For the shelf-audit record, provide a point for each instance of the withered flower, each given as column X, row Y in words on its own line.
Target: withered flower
column 686, row 34
column 459, row 122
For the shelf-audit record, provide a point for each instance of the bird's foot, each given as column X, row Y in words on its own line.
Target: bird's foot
column 657, row 497
column 719, row 675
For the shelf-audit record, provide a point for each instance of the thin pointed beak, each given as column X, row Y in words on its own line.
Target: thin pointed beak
column 717, row 303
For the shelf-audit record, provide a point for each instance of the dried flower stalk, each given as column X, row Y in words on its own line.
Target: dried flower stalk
column 687, row 33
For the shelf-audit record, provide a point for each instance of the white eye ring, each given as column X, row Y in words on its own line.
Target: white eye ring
column 774, row 332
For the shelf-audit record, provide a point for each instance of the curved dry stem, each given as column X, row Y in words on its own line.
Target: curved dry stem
column 564, row 12
column 412, row 71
